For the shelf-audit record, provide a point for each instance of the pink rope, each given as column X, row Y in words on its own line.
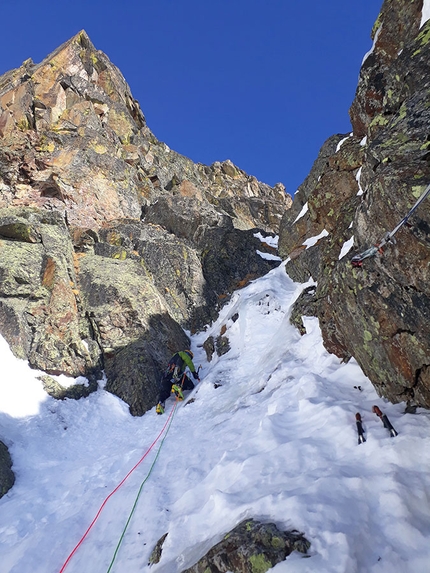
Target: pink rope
column 116, row 489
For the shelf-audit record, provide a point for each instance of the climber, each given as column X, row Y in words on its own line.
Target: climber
column 175, row 380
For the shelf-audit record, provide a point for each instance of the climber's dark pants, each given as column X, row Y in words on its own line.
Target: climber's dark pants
column 166, row 385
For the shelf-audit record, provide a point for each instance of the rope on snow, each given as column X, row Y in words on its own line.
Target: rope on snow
column 139, row 492
column 166, row 425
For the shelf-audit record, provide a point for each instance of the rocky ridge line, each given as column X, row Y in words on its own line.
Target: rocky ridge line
column 360, row 187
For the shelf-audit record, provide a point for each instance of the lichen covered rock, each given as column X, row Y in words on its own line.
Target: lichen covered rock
column 377, row 313
column 251, row 547
column 111, row 242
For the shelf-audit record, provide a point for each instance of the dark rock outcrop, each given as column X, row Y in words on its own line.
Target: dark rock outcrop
column 7, row 477
column 378, row 313
column 75, row 391
column 251, row 547
column 111, row 242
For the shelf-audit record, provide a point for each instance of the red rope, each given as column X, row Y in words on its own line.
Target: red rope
column 115, row 490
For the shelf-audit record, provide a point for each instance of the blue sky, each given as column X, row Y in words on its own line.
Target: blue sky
column 260, row 82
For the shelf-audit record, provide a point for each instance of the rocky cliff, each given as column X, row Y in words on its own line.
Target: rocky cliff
column 360, row 187
column 111, row 243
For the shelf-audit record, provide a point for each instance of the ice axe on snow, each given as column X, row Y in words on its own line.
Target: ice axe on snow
column 385, row 421
column 360, row 431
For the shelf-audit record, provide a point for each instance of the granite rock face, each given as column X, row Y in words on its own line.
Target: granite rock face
column 360, row 188
column 111, row 242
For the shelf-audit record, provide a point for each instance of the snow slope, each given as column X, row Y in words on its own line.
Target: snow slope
column 275, row 441
column 425, row 12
